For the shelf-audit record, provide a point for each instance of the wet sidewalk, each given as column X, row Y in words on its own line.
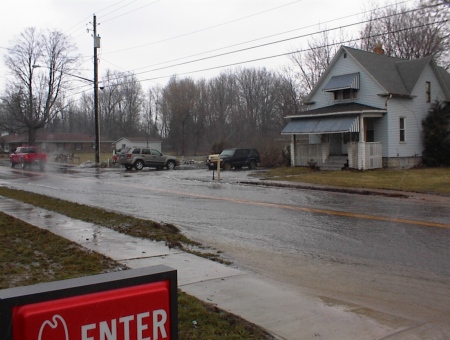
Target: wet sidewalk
column 280, row 309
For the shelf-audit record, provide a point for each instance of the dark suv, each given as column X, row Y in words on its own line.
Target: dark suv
column 235, row 158
column 141, row 157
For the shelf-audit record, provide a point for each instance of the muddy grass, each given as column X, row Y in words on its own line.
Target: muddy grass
column 423, row 180
column 125, row 224
column 30, row 255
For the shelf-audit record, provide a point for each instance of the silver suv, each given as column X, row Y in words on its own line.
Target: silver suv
column 146, row 157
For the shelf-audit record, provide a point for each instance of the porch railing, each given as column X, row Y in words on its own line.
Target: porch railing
column 361, row 156
column 307, row 152
column 365, row 156
column 374, row 158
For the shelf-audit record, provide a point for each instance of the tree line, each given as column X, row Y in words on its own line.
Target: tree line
column 239, row 107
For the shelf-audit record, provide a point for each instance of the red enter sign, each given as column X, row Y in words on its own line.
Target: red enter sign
column 136, row 313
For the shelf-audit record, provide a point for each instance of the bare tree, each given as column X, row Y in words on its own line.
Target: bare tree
column 179, row 102
column 410, row 33
column 109, row 101
column 312, row 62
column 223, row 98
column 291, row 97
column 40, row 65
column 149, row 112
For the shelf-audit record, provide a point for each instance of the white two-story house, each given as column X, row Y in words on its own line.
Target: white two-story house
column 366, row 111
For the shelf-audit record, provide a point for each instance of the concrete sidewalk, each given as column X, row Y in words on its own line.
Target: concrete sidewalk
column 280, row 309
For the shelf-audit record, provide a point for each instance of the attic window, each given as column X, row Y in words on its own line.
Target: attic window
column 345, row 94
column 428, row 91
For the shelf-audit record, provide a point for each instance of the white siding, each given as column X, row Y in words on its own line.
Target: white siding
column 367, row 94
column 414, row 111
column 141, row 144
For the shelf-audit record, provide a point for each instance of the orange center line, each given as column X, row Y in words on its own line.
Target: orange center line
column 313, row 210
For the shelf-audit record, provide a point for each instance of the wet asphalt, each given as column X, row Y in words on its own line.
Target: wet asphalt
column 278, row 308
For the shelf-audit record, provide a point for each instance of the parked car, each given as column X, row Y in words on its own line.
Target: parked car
column 146, row 157
column 27, row 156
column 234, row 158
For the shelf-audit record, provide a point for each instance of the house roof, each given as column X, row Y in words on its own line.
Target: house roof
column 394, row 75
column 139, row 139
column 339, row 109
column 322, row 124
column 53, row 138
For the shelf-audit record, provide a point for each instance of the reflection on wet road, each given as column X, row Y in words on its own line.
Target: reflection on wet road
column 353, row 228
column 387, row 254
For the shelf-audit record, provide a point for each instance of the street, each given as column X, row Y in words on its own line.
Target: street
column 381, row 253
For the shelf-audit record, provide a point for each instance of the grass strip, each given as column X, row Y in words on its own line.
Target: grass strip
column 30, row 255
column 421, row 180
column 125, row 224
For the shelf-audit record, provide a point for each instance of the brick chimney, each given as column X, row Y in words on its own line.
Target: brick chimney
column 378, row 49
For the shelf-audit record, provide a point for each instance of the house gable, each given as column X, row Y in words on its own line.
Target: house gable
column 345, row 67
column 393, row 76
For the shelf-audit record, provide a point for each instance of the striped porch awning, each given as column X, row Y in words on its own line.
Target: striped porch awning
column 317, row 125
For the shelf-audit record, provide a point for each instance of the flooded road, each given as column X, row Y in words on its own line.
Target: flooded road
column 387, row 253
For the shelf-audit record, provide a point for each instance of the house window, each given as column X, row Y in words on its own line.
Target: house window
column 78, row 146
column 428, row 91
column 345, row 94
column 402, row 129
column 370, row 131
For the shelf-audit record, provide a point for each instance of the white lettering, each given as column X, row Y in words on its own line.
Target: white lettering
column 126, row 326
column 140, row 326
column 110, row 330
column 84, row 331
column 107, row 333
column 159, row 325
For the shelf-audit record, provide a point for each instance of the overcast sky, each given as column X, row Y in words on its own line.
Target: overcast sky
column 156, row 39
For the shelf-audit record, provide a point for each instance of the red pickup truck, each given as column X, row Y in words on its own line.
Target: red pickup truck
column 27, row 156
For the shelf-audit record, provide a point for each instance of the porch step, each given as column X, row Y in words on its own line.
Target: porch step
column 334, row 163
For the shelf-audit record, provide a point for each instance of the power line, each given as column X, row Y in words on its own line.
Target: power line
column 268, row 57
column 205, row 29
column 134, row 10
column 276, row 42
column 257, row 46
column 289, row 53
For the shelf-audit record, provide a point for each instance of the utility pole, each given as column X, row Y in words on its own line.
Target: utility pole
column 96, row 113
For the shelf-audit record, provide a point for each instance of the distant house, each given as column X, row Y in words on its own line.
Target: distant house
column 57, row 142
column 366, row 111
column 142, row 142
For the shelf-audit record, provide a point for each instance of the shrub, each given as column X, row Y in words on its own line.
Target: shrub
column 436, row 136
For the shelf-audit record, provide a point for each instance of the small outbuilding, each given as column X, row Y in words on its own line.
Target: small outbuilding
column 143, row 142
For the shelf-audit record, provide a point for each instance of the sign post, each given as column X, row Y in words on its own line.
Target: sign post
column 131, row 304
column 218, row 168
